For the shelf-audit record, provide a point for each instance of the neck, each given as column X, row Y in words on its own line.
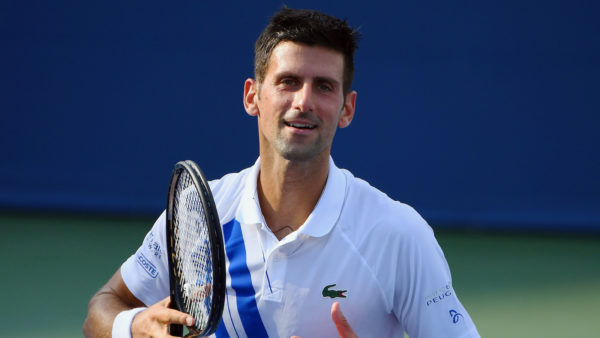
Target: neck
column 288, row 191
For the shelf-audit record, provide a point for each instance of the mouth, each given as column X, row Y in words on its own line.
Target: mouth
column 298, row 125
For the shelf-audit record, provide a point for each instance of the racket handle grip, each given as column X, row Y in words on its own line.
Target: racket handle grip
column 176, row 330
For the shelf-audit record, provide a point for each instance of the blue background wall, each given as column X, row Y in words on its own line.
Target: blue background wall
column 476, row 113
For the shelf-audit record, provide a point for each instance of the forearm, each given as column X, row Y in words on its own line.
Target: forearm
column 113, row 298
column 102, row 310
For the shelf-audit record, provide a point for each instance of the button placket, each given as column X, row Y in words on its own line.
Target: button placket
column 275, row 268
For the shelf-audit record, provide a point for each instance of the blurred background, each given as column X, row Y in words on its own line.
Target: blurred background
column 484, row 116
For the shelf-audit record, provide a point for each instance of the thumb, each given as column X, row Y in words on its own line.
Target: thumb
column 166, row 302
column 341, row 323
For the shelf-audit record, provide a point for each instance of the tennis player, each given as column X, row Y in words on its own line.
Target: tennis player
column 304, row 239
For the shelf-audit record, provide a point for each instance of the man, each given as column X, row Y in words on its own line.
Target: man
column 304, row 239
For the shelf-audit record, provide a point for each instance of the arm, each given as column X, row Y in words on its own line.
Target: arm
column 106, row 304
column 115, row 297
column 424, row 299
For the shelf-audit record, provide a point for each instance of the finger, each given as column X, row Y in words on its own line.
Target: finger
column 171, row 316
column 196, row 293
column 341, row 323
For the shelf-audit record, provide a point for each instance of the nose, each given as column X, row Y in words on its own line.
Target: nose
column 304, row 98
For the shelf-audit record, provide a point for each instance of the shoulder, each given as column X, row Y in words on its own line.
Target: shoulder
column 378, row 226
column 227, row 191
column 229, row 183
column 376, row 209
column 389, row 236
column 370, row 214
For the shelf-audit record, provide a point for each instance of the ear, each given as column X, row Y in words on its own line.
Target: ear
column 251, row 97
column 348, row 110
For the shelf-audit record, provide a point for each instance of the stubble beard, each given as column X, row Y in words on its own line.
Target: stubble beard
column 299, row 152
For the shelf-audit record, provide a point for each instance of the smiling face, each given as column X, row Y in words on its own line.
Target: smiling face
column 300, row 103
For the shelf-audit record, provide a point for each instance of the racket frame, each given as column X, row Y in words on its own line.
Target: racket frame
column 216, row 246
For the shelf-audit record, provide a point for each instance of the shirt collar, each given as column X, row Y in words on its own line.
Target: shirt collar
column 249, row 212
column 322, row 218
column 329, row 207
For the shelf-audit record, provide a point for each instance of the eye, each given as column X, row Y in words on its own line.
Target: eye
column 288, row 81
column 325, row 87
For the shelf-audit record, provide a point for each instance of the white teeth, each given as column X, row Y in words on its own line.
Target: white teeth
column 300, row 125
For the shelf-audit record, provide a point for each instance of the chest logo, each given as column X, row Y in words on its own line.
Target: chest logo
column 333, row 293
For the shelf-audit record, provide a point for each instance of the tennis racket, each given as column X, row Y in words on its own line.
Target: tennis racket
column 195, row 250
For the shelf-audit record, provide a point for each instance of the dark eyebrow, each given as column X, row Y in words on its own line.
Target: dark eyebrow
column 285, row 74
column 318, row 78
column 332, row 81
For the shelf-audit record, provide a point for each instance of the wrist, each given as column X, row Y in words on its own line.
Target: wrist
column 122, row 325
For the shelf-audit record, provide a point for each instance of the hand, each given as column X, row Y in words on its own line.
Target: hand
column 155, row 320
column 341, row 323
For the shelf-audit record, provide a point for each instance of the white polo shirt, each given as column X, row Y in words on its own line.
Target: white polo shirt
column 377, row 257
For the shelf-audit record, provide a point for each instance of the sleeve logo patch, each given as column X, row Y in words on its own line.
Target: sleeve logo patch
column 147, row 265
column 439, row 295
column 455, row 316
column 153, row 245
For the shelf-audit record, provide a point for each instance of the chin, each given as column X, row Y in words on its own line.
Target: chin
column 295, row 157
column 299, row 151
column 300, row 155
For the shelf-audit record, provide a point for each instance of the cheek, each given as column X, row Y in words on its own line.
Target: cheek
column 335, row 113
column 267, row 119
column 271, row 105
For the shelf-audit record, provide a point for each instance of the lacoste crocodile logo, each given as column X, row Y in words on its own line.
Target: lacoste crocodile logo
column 333, row 293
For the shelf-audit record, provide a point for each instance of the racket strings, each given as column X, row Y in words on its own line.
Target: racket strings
column 191, row 236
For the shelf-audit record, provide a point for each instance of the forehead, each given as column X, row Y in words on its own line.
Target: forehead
column 304, row 60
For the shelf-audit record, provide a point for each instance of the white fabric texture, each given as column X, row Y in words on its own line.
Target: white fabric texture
column 389, row 272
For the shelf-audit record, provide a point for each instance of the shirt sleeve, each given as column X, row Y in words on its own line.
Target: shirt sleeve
column 424, row 300
column 146, row 272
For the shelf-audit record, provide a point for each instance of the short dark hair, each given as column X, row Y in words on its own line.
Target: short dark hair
column 309, row 27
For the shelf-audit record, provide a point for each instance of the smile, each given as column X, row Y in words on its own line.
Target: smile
column 300, row 125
